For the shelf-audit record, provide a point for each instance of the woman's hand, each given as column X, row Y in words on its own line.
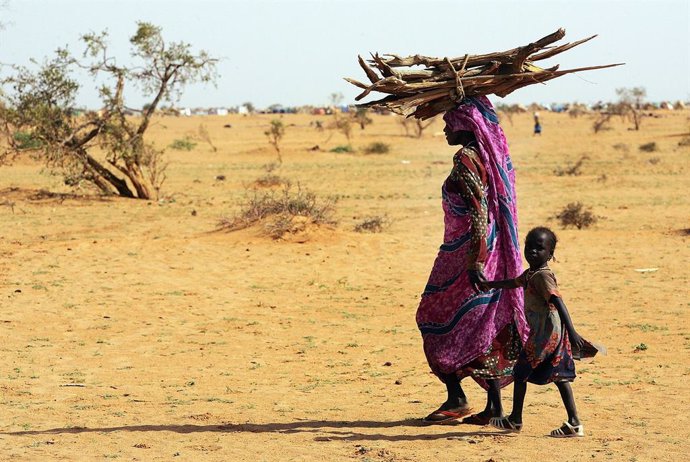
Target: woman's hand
column 478, row 280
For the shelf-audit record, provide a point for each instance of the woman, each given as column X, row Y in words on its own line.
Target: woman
column 467, row 332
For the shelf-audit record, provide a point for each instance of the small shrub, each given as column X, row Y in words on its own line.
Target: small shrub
column 648, row 147
column 269, row 180
column 342, row 148
column 575, row 214
column 621, row 147
column 654, row 160
column 640, row 347
column 377, row 148
column 374, row 224
column 571, row 170
column 275, row 134
column 185, row 144
column 283, row 212
column 684, row 142
column 25, row 140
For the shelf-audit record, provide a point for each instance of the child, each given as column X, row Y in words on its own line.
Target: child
column 546, row 356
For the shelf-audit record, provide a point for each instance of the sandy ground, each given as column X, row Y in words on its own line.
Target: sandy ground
column 132, row 330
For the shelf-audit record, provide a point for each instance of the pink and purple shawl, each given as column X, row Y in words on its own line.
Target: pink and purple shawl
column 458, row 324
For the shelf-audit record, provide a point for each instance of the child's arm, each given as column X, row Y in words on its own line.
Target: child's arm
column 575, row 339
column 505, row 284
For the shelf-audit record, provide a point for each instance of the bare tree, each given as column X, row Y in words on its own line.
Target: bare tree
column 630, row 104
column 41, row 106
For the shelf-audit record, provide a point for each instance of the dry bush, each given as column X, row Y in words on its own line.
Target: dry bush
column 621, row 147
column 281, row 212
column 575, row 214
column 649, row 147
column 602, row 122
column 373, row 224
column 377, row 148
column 269, row 180
column 571, row 170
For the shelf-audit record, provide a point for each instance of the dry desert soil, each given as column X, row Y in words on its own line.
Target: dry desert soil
column 136, row 330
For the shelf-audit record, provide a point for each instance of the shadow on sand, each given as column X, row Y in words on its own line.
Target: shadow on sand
column 333, row 430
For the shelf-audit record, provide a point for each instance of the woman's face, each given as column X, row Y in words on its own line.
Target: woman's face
column 462, row 137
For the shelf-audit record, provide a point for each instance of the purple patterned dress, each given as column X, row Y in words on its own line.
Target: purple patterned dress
column 464, row 332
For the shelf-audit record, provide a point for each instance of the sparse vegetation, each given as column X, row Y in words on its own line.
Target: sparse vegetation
column 577, row 215
column 42, row 102
column 27, row 141
column 343, row 148
column 361, row 116
column 621, row 147
column 286, row 211
column 377, row 147
column 184, row 144
column 571, row 170
column 372, row 224
column 275, row 134
column 205, row 136
column 269, row 180
column 649, row 147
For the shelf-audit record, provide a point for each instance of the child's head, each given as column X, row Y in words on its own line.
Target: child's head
column 540, row 245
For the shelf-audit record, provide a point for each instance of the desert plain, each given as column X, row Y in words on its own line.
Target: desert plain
column 137, row 330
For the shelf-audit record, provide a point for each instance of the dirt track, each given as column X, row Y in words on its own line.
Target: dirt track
column 132, row 331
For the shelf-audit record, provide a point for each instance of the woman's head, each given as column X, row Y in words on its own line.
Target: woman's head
column 540, row 245
column 460, row 137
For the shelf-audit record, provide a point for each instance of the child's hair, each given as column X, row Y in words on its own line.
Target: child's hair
column 543, row 229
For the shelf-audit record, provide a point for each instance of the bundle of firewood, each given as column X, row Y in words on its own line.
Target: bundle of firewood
column 442, row 82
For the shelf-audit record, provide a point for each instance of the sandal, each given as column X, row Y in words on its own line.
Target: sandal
column 569, row 431
column 504, row 423
column 476, row 419
column 444, row 416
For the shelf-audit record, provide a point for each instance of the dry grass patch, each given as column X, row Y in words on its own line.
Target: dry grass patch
column 281, row 212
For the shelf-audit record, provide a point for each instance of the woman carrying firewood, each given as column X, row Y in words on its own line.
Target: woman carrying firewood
column 468, row 333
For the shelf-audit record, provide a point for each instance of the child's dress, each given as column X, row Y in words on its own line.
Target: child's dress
column 546, row 356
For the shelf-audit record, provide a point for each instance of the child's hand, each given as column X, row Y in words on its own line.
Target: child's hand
column 477, row 279
column 576, row 341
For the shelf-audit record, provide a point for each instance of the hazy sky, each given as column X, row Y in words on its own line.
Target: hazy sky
column 296, row 52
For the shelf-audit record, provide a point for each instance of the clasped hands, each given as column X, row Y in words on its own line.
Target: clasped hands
column 478, row 280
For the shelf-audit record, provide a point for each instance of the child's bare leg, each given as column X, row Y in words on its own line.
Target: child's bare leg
column 519, row 391
column 494, row 408
column 569, row 402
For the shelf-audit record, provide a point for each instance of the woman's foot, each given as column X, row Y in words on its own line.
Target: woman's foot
column 504, row 423
column 445, row 414
column 569, row 431
column 481, row 418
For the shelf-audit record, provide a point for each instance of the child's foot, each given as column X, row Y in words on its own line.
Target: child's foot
column 504, row 423
column 569, row 431
column 445, row 414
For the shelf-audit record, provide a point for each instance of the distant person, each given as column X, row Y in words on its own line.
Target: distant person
column 547, row 355
column 537, row 125
column 467, row 333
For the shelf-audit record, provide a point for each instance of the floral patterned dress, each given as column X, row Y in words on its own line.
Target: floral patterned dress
column 546, row 355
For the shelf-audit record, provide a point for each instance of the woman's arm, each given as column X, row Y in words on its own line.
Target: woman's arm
column 575, row 339
column 469, row 176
